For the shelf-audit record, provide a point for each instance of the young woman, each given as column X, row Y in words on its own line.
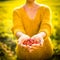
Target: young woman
column 33, row 21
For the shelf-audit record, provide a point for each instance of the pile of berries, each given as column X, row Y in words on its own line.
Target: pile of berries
column 30, row 42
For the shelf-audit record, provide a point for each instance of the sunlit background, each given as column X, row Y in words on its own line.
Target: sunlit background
column 6, row 10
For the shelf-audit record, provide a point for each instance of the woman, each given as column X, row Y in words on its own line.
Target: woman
column 32, row 21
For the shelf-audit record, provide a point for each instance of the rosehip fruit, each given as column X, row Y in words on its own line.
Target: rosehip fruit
column 36, row 42
column 30, row 42
column 25, row 42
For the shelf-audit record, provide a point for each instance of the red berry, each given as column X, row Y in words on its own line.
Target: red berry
column 36, row 42
column 32, row 41
column 25, row 42
column 28, row 42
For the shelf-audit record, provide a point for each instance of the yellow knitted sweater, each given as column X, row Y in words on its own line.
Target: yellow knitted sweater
column 23, row 23
column 41, row 23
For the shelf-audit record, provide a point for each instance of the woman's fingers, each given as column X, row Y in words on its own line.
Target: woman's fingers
column 34, row 45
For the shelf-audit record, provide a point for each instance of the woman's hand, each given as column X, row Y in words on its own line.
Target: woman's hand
column 22, row 38
column 40, row 38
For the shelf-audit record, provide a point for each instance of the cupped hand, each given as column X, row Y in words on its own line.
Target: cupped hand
column 23, row 38
column 38, row 42
column 39, row 38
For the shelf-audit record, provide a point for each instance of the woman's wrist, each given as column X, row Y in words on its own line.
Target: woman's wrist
column 42, row 34
column 18, row 34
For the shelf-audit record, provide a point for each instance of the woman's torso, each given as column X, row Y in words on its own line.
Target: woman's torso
column 31, row 25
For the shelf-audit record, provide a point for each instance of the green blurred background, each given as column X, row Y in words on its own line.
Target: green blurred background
column 6, row 10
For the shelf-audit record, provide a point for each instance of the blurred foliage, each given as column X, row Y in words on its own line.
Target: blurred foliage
column 4, row 0
column 6, row 23
column 6, row 53
column 6, row 10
